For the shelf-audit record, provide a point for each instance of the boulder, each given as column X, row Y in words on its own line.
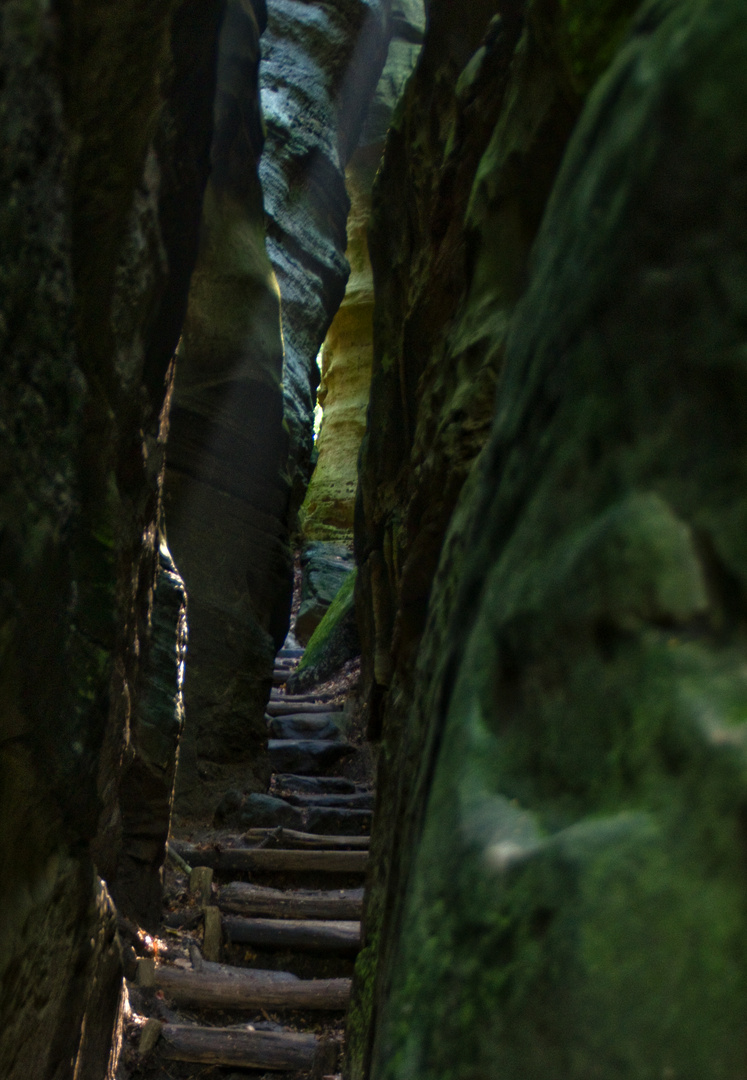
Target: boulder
column 333, row 643
column 324, row 568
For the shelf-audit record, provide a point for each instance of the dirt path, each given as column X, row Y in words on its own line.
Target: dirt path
column 250, row 972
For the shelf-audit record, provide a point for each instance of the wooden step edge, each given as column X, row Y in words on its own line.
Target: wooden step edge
column 244, row 898
column 243, row 860
column 284, row 707
column 308, row 935
column 220, row 987
column 277, row 1051
column 280, row 836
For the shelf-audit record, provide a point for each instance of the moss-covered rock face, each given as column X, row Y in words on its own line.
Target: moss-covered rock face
column 334, row 641
column 324, row 568
column 578, row 899
column 469, row 164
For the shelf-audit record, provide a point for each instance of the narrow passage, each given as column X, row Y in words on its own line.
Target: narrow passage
column 252, row 967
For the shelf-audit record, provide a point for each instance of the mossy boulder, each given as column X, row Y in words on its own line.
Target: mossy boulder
column 325, row 566
column 333, row 643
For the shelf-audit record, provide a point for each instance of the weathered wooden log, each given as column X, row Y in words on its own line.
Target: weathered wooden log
column 312, row 935
column 320, row 785
column 243, row 898
column 288, row 706
column 305, row 756
column 292, row 838
column 213, row 933
column 268, row 860
column 281, row 695
column 216, row 986
column 200, row 884
column 359, row 800
column 273, row 1050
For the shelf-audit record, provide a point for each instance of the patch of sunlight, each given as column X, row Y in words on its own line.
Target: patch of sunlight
column 318, row 411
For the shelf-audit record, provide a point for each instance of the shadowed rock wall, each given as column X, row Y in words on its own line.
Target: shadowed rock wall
column 226, row 495
column 105, row 123
column 572, row 726
column 469, row 163
column 320, row 65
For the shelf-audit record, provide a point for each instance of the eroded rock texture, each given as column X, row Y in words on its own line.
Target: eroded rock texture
column 105, row 122
column 320, row 64
column 328, row 509
column 226, row 494
column 578, row 888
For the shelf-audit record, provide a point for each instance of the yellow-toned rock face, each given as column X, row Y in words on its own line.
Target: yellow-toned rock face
column 327, row 513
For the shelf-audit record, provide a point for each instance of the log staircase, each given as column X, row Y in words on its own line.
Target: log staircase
column 259, row 975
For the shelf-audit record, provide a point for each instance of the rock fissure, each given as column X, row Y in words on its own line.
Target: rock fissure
column 504, row 839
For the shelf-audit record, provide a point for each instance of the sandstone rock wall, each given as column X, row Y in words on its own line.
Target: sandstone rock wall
column 578, row 888
column 468, row 167
column 105, row 125
column 320, row 65
column 328, row 509
column 226, row 496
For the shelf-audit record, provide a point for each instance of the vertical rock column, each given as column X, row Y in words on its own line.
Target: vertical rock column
column 328, row 509
column 226, row 495
column 320, row 65
column 93, row 153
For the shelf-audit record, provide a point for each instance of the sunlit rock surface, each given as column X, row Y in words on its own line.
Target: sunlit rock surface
column 568, row 885
column 226, row 494
column 105, row 124
column 320, row 65
column 328, row 510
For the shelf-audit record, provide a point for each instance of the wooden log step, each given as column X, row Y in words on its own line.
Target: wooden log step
column 304, row 726
column 305, row 756
column 360, row 800
column 218, row 986
column 301, row 699
column 310, row 935
column 335, row 820
column 320, row 785
column 243, row 898
column 277, row 1051
column 289, row 707
column 280, row 837
column 268, row 860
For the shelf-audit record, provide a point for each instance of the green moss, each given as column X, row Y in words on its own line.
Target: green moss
column 338, row 610
column 590, row 34
column 578, row 901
